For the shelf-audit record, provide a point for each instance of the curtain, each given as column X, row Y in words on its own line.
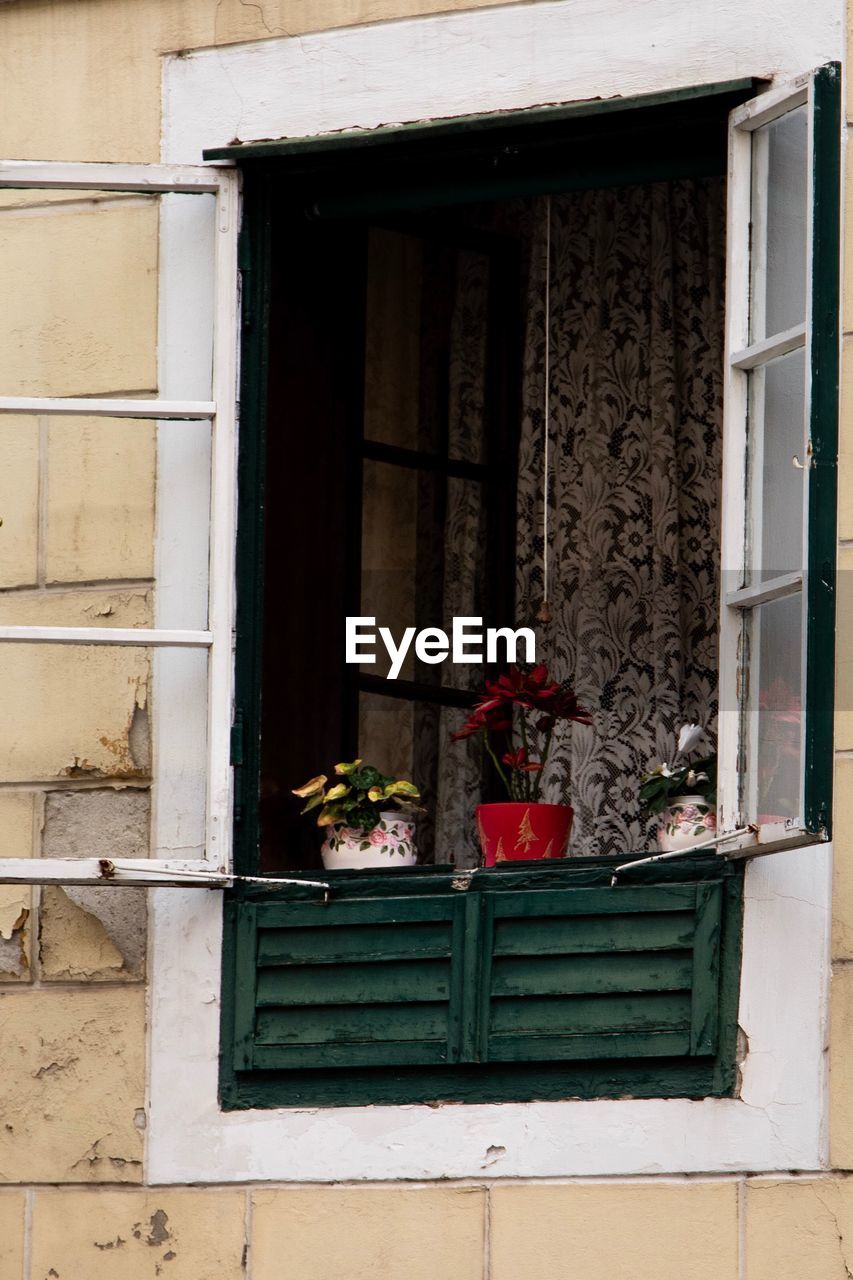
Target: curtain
column 635, row 411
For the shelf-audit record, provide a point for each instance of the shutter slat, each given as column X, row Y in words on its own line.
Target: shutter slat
column 576, row 935
column 376, row 983
column 355, row 983
column 385, row 941
column 668, row 1011
column 345, row 1024
column 576, row 975
column 563, row 1048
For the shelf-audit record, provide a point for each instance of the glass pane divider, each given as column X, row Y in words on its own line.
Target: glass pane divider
column 787, row 584
column 780, row 344
column 127, row 407
column 52, row 175
column 141, row 636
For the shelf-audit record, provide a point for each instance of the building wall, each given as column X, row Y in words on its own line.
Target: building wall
column 81, row 80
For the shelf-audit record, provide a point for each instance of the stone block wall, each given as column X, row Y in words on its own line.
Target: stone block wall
column 81, row 80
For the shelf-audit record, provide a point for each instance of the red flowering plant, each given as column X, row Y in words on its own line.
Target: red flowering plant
column 529, row 705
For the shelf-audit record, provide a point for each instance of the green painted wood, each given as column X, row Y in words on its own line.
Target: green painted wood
column 574, row 1015
column 385, row 1054
column 245, row 990
column 606, row 901
column 425, row 980
column 823, row 429
column 577, row 975
column 591, row 934
column 458, row 982
column 344, row 910
column 470, row 1021
column 677, row 1077
column 345, row 1024
column 638, row 1044
column 706, row 969
column 344, row 944
column 353, row 141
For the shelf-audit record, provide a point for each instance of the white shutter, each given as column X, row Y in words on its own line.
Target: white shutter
column 195, row 412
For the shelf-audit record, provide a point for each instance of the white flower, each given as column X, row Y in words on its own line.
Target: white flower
column 688, row 737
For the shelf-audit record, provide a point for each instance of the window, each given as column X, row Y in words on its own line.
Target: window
column 165, row 403
column 507, row 984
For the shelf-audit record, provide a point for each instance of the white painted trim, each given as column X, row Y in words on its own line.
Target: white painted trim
column 498, row 59
column 22, row 634
column 523, row 56
column 179, row 410
column 770, row 348
column 223, row 529
column 776, row 102
column 119, row 871
column 148, row 178
column 776, row 1124
column 786, row 584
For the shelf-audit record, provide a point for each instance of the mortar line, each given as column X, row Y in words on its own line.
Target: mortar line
column 487, row 1234
column 35, row 890
column 41, row 532
column 65, row 587
column 248, row 1227
column 29, row 1202
column 741, row 1229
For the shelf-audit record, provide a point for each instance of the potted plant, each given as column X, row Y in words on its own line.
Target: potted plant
column 366, row 818
column 683, row 794
column 525, row 708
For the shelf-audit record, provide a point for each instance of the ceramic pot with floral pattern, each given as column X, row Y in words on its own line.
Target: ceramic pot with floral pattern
column 689, row 820
column 390, row 844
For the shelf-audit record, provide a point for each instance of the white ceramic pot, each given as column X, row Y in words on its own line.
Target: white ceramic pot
column 390, row 844
column 688, row 821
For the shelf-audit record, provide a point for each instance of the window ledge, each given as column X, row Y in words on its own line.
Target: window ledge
column 776, row 1123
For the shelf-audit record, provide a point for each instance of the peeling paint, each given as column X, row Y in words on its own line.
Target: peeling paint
column 73, row 943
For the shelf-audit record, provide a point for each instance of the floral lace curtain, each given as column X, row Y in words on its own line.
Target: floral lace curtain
column 635, row 412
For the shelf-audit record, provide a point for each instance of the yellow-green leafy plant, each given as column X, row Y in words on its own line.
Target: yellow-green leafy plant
column 359, row 799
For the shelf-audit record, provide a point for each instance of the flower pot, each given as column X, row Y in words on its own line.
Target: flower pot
column 389, row 845
column 688, row 821
column 521, row 831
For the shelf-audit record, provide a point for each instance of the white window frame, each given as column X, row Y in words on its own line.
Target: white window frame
column 739, row 837
column 221, row 181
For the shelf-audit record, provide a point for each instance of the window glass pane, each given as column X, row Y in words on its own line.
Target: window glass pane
column 777, row 407
column 84, row 270
column 776, row 681
column 780, row 190
column 123, row 538
column 425, row 345
column 412, row 740
column 423, row 561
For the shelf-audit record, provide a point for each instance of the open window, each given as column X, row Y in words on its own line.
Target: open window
column 396, row 441
column 123, row 615
column 777, row 637
column 394, row 355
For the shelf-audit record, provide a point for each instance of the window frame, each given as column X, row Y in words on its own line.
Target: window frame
column 819, row 336
column 223, row 182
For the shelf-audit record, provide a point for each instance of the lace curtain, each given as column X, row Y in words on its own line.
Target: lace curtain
column 635, row 411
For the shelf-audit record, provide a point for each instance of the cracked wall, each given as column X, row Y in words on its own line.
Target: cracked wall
column 78, row 514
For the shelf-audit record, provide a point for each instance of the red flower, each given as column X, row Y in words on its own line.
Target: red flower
column 518, row 760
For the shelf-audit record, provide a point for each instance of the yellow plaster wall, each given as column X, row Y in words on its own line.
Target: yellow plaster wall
column 81, row 81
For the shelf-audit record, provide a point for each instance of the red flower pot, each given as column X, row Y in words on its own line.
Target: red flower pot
column 518, row 831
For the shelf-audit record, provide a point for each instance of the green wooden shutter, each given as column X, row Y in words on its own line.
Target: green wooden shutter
column 484, row 975
column 599, row 973
column 369, row 982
